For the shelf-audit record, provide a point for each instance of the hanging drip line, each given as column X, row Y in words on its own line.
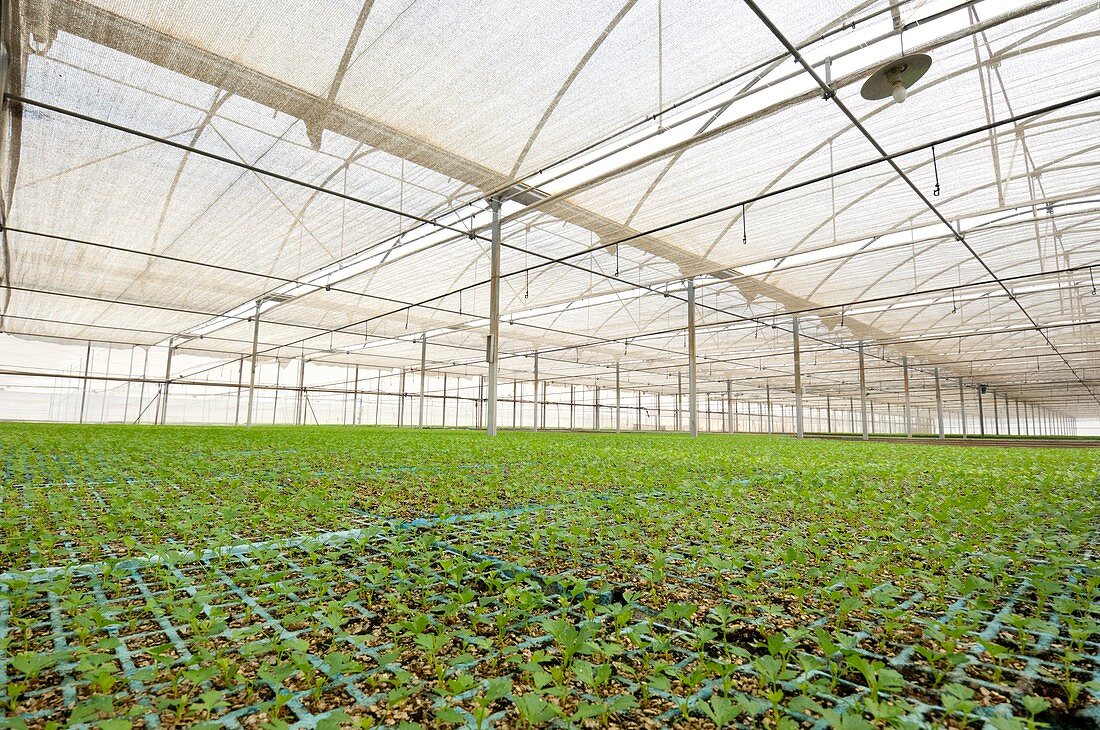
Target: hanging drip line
column 954, row 306
column 407, row 312
column 660, row 68
column 936, row 172
column 1093, row 280
column 744, row 226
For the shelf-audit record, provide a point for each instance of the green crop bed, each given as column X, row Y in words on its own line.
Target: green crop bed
column 332, row 577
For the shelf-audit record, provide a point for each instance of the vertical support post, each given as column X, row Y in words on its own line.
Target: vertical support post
column 103, row 410
column 144, row 377
column 378, row 399
column 618, row 401
column 401, row 399
column 962, row 407
column 693, row 413
column 731, row 422
column 491, row 345
column 252, row 364
column 480, row 410
column 1019, row 423
column 355, row 399
column 129, row 381
column 799, row 430
column 981, row 412
column 84, row 387
column 443, row 420
column 240, row 392
column 768, row 398
column 828, row 414
column 596, row 404
column 275, row 404
column 167, row 379
column 535, row 394
column 300, row 404
column 545, row 389
column 572, row 408
column 863, row 392
column 423, row 379
column 908, row 409
column 939, row 406
column 1008, row 419
column 679, row 399
column 638, row 422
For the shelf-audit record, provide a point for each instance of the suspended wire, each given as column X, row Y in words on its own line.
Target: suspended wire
column 744, row 226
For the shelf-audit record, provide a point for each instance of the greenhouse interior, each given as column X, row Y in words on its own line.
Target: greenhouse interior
column 632, row 364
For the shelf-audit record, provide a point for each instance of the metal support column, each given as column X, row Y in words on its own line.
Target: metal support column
column 768, row 398
column 693, row 414
column 480, row 409
column 596, row 406
column 799, row 431
column 240, row 392
column 535, row 394
column 572, row 407
column 300, row 403
column 962, row 407
column 731, row 416
column 401, row 399
column 494, row 319
column 863, row 392
column 167, row 379
column 443, row 419
column 129, row 382
column 981, row 412
column 84, row 387
column 908, row 409
column 939, row 405
column 679, row 399
column 252, row 365
column 423, row 379
column 618, row 401
column 828, row 414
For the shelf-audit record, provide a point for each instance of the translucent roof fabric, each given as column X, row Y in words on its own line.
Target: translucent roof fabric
column 168, row 165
